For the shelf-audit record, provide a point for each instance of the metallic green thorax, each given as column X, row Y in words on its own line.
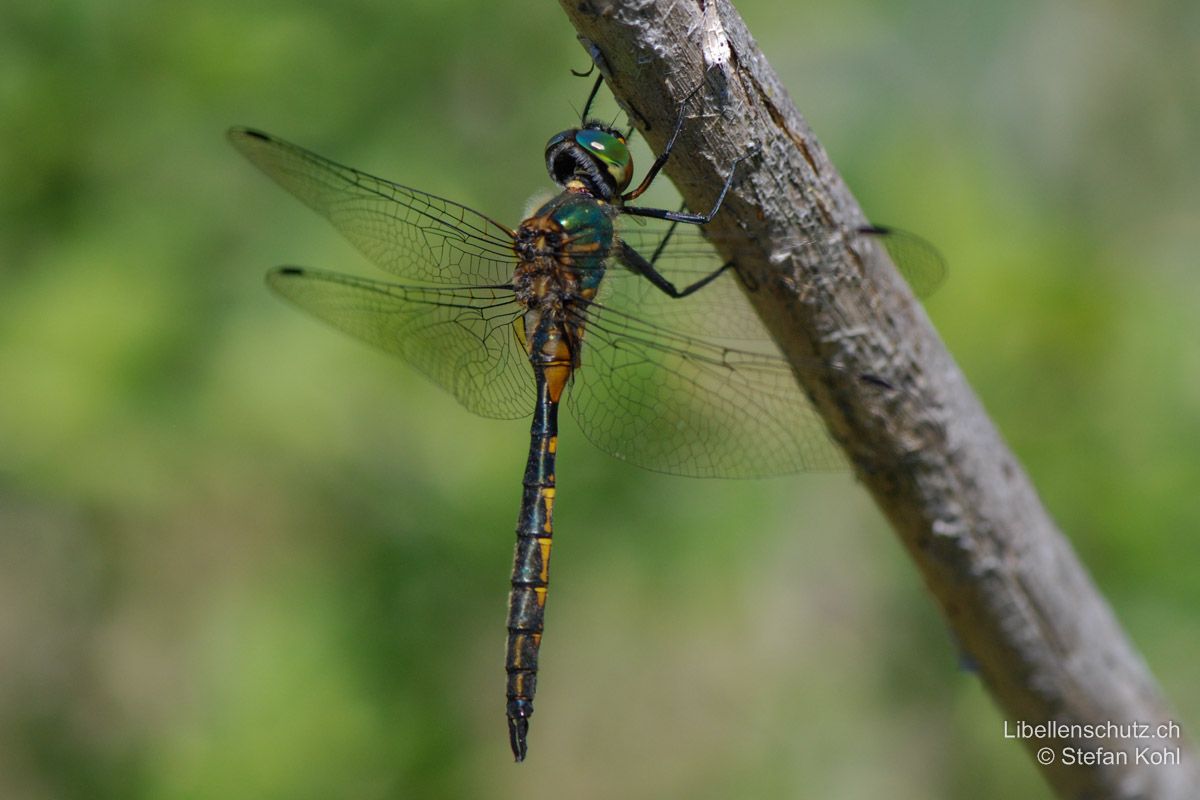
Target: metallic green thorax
column 587, row 234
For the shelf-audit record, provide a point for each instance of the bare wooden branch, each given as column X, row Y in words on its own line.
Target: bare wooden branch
column 1024, row 608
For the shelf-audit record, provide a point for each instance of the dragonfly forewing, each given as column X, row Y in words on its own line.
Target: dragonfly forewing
column 404, row 231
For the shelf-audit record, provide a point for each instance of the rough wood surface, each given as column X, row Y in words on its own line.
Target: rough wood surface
column 1025, row 610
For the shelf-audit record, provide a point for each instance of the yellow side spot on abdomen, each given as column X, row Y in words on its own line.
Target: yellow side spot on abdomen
column 540, row 591
column 548, row 499
column 544, row 544
column 517, row 647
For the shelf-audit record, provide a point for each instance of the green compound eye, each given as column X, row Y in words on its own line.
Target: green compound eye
column 610, row 151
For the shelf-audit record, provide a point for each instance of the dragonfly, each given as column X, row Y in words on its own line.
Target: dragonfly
column 567, row 306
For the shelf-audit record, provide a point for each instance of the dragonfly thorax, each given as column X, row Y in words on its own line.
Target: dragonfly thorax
column 569, row 237
column 538, row 238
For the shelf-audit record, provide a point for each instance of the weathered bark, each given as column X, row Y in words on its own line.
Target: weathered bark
column 1024, row 608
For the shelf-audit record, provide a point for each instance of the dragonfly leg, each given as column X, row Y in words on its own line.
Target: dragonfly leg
column 636, row 262
column 684, row 216
column 666, row 239
column 661, row 160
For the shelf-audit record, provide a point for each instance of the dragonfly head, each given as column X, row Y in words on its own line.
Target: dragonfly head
column 595, row 154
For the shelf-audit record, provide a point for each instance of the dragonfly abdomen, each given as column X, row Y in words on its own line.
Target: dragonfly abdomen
column 531, row 562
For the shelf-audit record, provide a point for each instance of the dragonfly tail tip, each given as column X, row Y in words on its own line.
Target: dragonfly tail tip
column 518, row 729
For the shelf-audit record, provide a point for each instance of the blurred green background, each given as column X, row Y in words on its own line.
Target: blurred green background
column 244, row 556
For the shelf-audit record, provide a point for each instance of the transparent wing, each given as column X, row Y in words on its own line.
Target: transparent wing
column 918, row 261
column 461, row 338
column 691, row 386
column 403, row 231
column 721, row 309
column 694, row 385
column 690, row 406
